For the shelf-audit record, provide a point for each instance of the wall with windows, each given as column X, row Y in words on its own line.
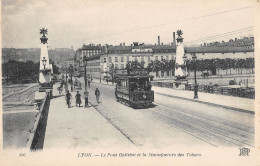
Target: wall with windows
column 120, row 60
column 93, row 68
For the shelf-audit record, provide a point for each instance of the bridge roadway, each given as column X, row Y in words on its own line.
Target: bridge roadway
column 170, row 122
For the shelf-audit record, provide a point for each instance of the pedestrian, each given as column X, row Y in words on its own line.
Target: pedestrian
column 78, row 99
column 86, row 98
column 68, row 98
column 107, row 81
column 97, row 93
column 60, row 90
column 88, row 83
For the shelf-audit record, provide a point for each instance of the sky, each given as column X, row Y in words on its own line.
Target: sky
column 78, row 22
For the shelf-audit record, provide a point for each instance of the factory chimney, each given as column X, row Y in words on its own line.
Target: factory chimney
column 174, row 41
column 159, row 40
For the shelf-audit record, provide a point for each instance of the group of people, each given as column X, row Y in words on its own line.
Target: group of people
column 68, row 98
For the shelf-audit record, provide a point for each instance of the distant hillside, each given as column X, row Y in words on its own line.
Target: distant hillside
column 58, row 55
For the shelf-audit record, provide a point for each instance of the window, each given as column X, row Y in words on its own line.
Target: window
column 122, row 59
column 149, row 59
column 156, row 57
column 110, row 59
column 116, row 59
column 136, row 58
column 127, row 58
column 161, row 58
column 122, row 66
column 116, row 66
column 142, row 59
column 148, row 50
column 105, row 60
column 167, row 57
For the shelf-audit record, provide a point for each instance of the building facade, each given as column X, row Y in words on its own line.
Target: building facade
column 116, row 57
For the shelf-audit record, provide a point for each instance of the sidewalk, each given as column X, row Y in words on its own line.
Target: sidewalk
column 230, row 102
column 79, row 127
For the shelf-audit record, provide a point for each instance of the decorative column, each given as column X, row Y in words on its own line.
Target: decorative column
column 45, row 66
column 180, row 62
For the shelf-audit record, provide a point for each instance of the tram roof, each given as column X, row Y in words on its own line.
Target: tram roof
column 134, row 76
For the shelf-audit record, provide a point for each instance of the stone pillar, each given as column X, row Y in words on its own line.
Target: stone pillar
column 180, row 66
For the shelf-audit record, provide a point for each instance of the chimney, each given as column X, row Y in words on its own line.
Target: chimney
column 158, row 40
column 124, row 44
column 106, row 48
column 174, row 40
column 120, row 44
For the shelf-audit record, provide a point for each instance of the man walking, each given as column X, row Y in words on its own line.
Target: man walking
column 78, row 99
column 86, row 98
column 68, row 98
column 97, row 93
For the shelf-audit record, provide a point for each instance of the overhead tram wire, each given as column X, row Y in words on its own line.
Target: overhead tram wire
column 182, row 20
column 219, row 35
column 238, row 31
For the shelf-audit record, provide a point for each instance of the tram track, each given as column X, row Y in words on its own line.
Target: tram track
column 203, row 125
column 201, row 131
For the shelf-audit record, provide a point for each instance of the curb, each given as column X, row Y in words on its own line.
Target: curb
column 204, row 102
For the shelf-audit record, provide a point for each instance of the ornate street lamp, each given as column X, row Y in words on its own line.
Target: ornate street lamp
column 194, row 58
column 44, row 62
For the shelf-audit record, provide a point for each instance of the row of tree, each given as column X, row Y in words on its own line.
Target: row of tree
column 221, row 64
column 17, row 72
column 200, row 65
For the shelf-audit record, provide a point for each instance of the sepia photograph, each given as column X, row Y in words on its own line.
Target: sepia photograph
column 121, row 82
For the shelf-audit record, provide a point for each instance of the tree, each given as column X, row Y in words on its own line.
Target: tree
column 19, row 71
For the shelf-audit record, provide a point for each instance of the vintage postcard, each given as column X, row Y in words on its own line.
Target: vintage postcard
column 127, row 82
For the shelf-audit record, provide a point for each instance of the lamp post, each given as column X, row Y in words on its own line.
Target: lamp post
column 112, row 73
column 184, row 63
column 44, row 62
column 66, row 83
column 100, row 75
column 85, row 72
column 71, row 74
column 85, row 78
column 194, row 58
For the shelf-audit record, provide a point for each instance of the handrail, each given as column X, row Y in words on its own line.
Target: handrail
column 35, row 125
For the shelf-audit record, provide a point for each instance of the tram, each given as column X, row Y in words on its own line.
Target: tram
column 133, row 87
